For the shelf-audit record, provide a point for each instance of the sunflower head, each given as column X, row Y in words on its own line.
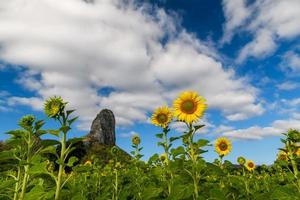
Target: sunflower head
column 223, row 146
column 250, row 165
column 189, row 106
column 298, row 152
column 136, row 140
column 282, row 156
column 162, row 116
column 88, row 163
column 54, row 106
column 241, row 160
column 163, row 157
column 27, row 121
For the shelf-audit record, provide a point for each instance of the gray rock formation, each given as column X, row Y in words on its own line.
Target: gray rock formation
column 103, row 129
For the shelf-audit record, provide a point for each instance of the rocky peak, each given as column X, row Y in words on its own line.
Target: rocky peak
column 103, row 129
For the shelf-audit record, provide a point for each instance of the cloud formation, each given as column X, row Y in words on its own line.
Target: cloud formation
column 268, row 21
column 258, row 132
column 74, row 49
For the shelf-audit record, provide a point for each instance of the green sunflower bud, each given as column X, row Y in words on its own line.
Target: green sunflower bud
column 136, row 140
column 54, row 106
column 26, row 121
column 241, row 160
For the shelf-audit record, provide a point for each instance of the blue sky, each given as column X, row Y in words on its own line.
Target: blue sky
column 134, row 56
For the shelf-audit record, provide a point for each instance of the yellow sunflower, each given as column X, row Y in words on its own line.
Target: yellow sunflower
column 298, row 152
column 282, row 156
column 250, row 165
column 88, row 163
column 223, row 146
column 189, row 106
column 162, row 116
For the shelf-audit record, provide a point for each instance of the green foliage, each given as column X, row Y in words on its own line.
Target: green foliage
column 41, row 169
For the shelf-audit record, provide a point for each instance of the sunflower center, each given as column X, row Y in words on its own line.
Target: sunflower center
column 188, row 107
column 251, row 165
column 162, row 118
column 223, row 146
column 282, row 157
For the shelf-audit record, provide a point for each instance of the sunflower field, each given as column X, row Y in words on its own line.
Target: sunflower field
column 28, row 173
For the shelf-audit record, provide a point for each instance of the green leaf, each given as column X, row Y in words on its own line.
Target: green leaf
column 159, row 135
column 153, row 158
column 65, row 129
column 151, row 192
column 39, row 124
column 196, row 127
column 69, row 112
column 4, row 185
column 16, row 133
column 49, row 142
column 161, row 144
column 74, row 140
column 202, row 142
column 179, row 150
column 286, row 192
column 54, row 132
column 6, row 155
column 174, row 138
column 41, row 132
column 49, row 149
column 72, row 120
column 71, row 161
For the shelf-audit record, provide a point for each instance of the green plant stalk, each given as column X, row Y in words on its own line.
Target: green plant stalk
column 26, row 167
column 115, row 197
column 193, row 156
column 61, row 166
column 166, row 149
column 295, row 168
column 17, row 184
column 24, row 183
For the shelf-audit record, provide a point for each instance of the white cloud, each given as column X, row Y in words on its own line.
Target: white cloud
column 262, row 45
column 73, row 49
column 288, row 85
column 270, row 21
column 34, row 102
column 257, row 132
column 236, row 13
column 223, row 128
column 291, row 63
column 128, row 135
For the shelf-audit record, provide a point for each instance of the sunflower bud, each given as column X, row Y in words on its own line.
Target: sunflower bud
column 136, row 140
column 163, row 157
column 26, row 121
column 241, row 160
column 54, row 106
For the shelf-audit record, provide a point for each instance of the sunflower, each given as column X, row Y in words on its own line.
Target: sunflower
column 241, row 160
column 136, row 140
column 162, row 116
column 282, row 156
column 26, row 121
column 88, row 163
column 223, row 146
column 54, row 106
column 250, row 165
column 189, row 106
column 298, row 152
column 163, row 157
